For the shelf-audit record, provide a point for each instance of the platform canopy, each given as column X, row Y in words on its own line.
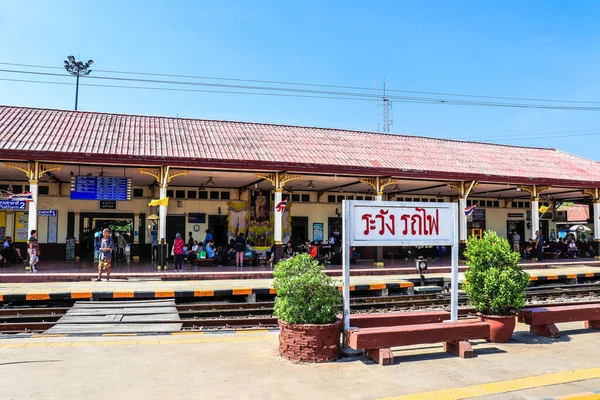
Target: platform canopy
column 129, row 140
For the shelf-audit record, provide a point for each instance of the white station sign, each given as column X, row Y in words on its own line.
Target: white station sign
column 390, row 223
column 400, row 224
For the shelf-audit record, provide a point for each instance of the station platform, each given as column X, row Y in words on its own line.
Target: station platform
column 71, row 271
column 245, row 365
column 155, row 288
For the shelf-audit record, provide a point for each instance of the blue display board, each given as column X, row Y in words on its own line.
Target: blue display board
column 100, row 188
column 12, row 205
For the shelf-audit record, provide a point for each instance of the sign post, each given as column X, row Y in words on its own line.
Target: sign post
column 390, row 223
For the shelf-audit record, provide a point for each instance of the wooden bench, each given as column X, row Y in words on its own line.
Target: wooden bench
column 397, row 319
column 205, row 261
column 377, row 342
column 543, row 319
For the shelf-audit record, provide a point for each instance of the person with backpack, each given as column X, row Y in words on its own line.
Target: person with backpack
column 239, row 247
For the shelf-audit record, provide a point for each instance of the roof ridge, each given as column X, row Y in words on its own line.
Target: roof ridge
column 404, row 135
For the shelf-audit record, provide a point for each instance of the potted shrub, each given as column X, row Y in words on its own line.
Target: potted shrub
column 307, row 304
column 495, row 283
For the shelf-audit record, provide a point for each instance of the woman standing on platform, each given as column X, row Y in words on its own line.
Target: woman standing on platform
column 240, row 247
column 178, row 251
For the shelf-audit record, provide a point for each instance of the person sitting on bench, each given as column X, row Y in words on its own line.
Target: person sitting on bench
column 528, row 252
column 573, row 249
column 211, row 254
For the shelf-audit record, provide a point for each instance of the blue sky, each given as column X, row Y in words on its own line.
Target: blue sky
column 534, row 49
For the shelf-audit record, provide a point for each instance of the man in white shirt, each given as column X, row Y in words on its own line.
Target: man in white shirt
column 516, row 240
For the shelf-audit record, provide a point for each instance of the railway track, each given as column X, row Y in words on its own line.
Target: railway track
column 220, row 316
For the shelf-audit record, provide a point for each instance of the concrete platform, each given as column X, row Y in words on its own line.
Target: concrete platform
column 72, row 271
column 150, row 289
column 246, row 366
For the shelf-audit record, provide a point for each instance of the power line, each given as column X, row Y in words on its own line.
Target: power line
column 521, row 137
column 404, row 99
column 313, row 85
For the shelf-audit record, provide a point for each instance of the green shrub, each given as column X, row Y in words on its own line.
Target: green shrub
column 494, row 283
column 305, row 294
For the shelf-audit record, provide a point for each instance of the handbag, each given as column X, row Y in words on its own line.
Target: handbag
column 173, row 250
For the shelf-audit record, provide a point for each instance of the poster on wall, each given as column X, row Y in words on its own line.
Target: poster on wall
column 52, row 229
column 318, row 232
column 21, row 222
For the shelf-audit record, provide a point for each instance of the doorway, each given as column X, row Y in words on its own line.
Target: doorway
column 92, row 225
column 335, row 229
column 218, row 225
column 175, row 225
column 299, row 231
column 515, row 226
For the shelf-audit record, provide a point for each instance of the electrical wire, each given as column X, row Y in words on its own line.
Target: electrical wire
column 312, row 85
column 404, row 99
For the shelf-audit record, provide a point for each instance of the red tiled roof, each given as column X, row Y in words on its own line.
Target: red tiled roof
column 75, row 136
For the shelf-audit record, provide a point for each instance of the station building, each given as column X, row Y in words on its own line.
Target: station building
column 229, row 177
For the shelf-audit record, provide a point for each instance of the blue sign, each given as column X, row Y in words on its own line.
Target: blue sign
column 46, row 213
column 317, row 231
column 12, row 205
column 100, row 188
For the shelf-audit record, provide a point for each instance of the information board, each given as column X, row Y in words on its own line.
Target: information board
column 46, row 213
column 100, row 188
column 70, row 249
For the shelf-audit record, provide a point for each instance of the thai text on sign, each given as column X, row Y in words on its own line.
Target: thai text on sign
column 401, row 224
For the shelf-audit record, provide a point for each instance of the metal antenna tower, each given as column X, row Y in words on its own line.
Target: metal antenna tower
column 387, row 112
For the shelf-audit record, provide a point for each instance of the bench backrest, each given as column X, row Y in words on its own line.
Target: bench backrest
column 378, row 338
column 374, row 320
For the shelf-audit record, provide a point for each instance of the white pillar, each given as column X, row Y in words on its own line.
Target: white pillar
column 535, row 216
column 32, row 219
column 162, row 217
column 462, row 204
column 379, row 197
column 10, row 224
column 277, row 234
column 596, row 220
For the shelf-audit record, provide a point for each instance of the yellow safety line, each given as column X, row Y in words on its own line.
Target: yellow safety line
column 580, row 396
column 492, row 388
column 216, row 338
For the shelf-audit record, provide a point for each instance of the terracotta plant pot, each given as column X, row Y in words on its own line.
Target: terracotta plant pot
column 310, row 343
column 501, row 327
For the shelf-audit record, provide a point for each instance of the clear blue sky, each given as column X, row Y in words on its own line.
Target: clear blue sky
column 538, row 49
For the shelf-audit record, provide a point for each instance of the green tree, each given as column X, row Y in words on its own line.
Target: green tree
column 494, row 283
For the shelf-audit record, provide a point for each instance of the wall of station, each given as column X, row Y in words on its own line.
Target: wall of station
column 55, row 231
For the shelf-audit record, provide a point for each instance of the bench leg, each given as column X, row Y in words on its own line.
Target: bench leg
column 549, row 330
column 381, row 356
column 460, row 348
column 592, row 324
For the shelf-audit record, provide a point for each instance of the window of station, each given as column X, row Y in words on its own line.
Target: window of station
column 18, row 189
column 340, row 199
column 138, row 192
column 225, row 195
column 214, row 195
column 295, row 197
column 192, row 194
column 368, row 197
column 359, row 198
column 180, row 194
column 170, row 193
column 203, row 195
column 331, row 198
column 306, row 198
column 4, row 187
column 44, row 190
